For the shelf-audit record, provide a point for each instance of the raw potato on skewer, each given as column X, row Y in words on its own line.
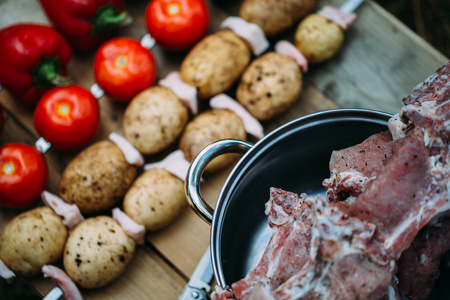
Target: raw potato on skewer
column 274, row 16
column 32, row 239
column 36, row 238
column 155, row 199
column 218, row 60
column 270, row 85
column 215, row 63
column 157, row 196
column 154, row 119
column 208, row 127
column 226, row 120
column 97, row 252
column 318, row 38
column 97, row 178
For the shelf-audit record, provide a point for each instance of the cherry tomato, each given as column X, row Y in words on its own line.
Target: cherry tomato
column 23, row 175
column 123, row 68
column 177, row 24
column 67, row 117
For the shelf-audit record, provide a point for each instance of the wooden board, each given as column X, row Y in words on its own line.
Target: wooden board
column 380, row 63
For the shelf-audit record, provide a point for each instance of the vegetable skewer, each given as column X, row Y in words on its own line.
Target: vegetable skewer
column 318, row 38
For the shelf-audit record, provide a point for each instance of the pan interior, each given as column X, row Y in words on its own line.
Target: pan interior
column 295, row 158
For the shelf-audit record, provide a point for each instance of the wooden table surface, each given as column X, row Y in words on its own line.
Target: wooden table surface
column 379, row 64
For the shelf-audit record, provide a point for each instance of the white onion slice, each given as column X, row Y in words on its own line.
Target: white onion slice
column 66, row 284
column 133, row 229
column 132, row 155
column 251, row 124
column 250, row 32
column 175, row 163
column 184, row 91
column 342, row 19
column 69, row 212
column 288, row 49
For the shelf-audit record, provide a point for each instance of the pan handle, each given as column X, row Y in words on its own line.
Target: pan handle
column 192, row 183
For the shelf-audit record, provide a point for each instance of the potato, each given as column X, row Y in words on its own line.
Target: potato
column 155, row 199
column 208, row 127
column 318, row 38
column 97, row 178
column 269, row 85
column 215, row 63
column 274, row 16
column 97, row 252
column 154, row 119
column 31, row 240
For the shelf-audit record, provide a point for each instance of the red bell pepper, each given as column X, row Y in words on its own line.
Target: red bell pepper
column 86, row 23
column 33, row 58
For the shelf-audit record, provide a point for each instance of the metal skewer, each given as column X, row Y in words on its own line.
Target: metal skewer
column 54, row 294
column 350, row 6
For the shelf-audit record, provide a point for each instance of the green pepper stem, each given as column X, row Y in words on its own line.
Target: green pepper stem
column 109, row 17
column 47, row 73
column 59, row 80
column 112, row 19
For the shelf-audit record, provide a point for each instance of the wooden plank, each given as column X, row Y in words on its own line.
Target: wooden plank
column 188, row 230
column 147, row 277
column 379, row 64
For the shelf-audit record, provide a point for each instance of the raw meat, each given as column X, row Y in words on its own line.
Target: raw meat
column 351, row 247
column 418, row 267
column 353, row 167
column 289, row 246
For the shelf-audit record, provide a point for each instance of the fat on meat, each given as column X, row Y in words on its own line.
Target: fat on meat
column 427, row 108
column 365, row 248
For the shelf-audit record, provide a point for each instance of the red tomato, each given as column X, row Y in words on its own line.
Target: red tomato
column 123, row 68
column 67, row 117
column 23, row 175
column 177, row 24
